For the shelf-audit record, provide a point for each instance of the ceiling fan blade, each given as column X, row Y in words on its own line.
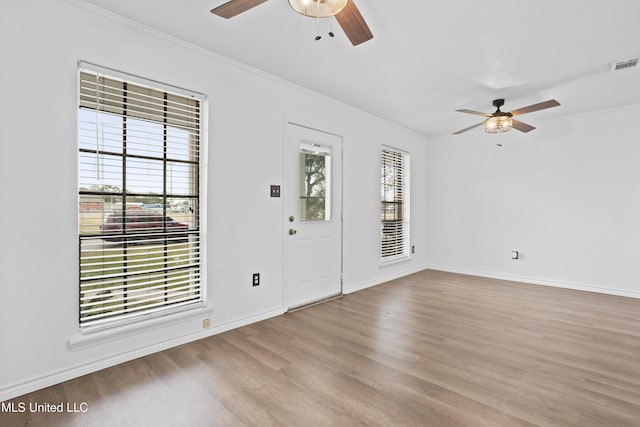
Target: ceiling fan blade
column 353, row 24
column 235, row 7
column 474, row 112
column 521, row 126
column 535, row 107
column 469, row 128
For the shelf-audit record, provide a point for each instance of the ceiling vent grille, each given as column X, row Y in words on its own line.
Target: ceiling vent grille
column 623, row 65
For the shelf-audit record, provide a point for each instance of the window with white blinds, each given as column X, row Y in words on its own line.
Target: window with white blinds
column 394, row 212
column 139, row 199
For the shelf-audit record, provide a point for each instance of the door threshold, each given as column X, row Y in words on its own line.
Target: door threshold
column 315, row 302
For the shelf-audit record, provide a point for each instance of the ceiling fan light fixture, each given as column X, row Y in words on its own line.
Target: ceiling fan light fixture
column 498, row 124
column 318, row 8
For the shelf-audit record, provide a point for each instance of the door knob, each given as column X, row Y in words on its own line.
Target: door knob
column 292, row 231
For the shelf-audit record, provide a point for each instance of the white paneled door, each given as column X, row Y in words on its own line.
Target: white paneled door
column 313, row 215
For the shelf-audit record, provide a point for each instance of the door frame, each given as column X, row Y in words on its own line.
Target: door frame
column 286, row 192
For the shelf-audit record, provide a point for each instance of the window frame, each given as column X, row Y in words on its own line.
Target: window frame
column 395, row 193
column 196, row 244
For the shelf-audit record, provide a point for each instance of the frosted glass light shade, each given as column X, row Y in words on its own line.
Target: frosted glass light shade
column 498, row 124
column 318, row 8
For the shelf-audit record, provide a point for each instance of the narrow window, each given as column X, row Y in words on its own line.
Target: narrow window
column 394, row 213
column 139, row 199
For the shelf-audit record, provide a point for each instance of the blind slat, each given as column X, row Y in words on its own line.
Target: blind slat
column 120, row 310
column 139, row 245
column 393, row 206
column 133, row 296
column 100, row 93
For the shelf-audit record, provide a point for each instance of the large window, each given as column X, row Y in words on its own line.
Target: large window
column 394, row 212
column 139, row 198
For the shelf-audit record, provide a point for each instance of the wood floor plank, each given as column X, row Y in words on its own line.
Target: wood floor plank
column 432, row 348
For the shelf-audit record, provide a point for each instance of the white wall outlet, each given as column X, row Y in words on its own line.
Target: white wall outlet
column 206, row 323
column 514, row 254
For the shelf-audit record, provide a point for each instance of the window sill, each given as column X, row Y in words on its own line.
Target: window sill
column 394, row 260
column 97, row 337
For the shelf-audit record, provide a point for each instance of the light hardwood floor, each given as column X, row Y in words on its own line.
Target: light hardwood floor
column 430, row 349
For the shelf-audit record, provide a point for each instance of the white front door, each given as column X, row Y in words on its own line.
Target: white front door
column 313, row 215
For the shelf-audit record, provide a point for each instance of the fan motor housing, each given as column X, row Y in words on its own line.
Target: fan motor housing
column 499, row 103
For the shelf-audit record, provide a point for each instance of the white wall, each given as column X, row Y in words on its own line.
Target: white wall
column 567, row 196
column 41, row 44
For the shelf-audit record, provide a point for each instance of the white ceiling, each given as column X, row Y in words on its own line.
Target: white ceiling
column 428, row 58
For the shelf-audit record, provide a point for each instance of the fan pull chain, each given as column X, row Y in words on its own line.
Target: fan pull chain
column 331, row 33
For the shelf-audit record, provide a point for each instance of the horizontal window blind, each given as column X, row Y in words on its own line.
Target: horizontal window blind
column 139, row 200
column 394, row 196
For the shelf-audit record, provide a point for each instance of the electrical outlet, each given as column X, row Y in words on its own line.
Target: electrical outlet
column 413, row 249
column 206, row 323
column 256, row 279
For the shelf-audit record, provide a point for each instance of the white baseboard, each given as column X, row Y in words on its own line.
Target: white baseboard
column 77, row 371
column 536, row 281
column 348, row 289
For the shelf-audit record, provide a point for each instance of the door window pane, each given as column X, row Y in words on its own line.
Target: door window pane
column 315, row 182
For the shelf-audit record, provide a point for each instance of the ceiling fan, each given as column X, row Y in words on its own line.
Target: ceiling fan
column 501, row 121
column 345, row 11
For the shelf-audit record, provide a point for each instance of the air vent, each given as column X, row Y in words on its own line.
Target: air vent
column 623, row 65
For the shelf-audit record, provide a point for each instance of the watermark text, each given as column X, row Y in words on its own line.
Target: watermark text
column 44, row 407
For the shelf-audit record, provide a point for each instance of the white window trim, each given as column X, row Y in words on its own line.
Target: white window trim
column 86, row 339
column 149, row 321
